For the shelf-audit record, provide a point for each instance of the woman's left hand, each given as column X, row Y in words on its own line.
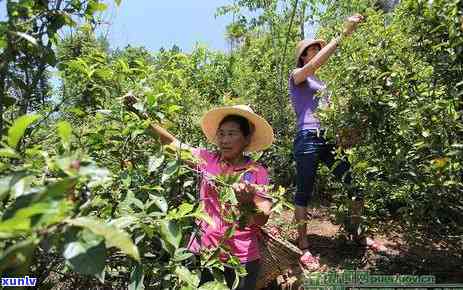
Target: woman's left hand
column 351, row 24
column 245, row 192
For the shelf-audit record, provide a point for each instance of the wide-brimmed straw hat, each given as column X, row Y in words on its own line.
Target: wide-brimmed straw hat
column 261, row 131
column 303, row 44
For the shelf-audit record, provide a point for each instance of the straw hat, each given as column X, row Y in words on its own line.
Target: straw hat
column 261, row 131
column 303, row 44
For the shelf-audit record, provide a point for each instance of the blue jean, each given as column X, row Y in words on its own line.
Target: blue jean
column 309, row 149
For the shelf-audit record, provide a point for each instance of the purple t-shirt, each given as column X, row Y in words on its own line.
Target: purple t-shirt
column 305, row 103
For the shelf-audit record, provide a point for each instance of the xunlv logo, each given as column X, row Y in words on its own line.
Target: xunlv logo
column 26, row 281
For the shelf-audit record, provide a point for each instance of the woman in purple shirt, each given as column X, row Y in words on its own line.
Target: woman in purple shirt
column 308, row 93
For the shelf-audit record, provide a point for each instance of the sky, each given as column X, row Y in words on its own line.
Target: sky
column 160, row 23
column 163, row 23
column 2, row 10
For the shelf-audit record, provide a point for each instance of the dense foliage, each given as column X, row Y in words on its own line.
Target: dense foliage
column 397, row 81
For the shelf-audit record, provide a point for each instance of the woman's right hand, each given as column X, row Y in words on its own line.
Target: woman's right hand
column 129, row 100
column 351, row 24
column 244, row 191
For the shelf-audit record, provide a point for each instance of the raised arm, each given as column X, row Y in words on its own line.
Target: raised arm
column 165, row 136
column 300, row 74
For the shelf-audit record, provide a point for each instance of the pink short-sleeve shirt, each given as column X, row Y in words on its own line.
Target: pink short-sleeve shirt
column 244, row 243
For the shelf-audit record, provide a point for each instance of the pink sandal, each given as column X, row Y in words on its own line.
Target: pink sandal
column 309, row 261
column 375, row 246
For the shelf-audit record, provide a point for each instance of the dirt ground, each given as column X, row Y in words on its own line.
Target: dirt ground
column 337, row 253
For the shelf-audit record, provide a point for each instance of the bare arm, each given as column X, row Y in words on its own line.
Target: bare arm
column 246, row 193
column 264, row 206
column 300, row 74
column 165, row 136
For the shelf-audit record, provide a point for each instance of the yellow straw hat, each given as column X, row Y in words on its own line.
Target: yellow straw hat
column 303, row 44
column 261, row 131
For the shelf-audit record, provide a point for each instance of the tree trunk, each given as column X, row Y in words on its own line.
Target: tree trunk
column 303, row 21
column 5, row 57
column 2, row 98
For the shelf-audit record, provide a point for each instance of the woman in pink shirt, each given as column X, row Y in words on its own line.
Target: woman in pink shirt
column 235, row 130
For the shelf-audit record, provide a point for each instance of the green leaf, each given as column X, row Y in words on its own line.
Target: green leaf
column 186, row 276
column 46, row 213
column 8, row 153
column 61, row 188
column 5, row 185
column 9, row 184
column 154, row 162
column 8, row 101
column 96, row 6
column 53, row 194
column 184, row 209
column 173, row 108
column 130, row 199
column 188, row 288
column 86, row 258
column 118, row 2
column 170, row 233
column 105, row 112
column 188, row 183
column 77, row 111
column 14, row 226
column 27, row 37
column 152, row 98
column 21, row 202
column 114, row 237
column 50, row 57
column 182, row 254
column 16, row 259
column 16, row 131
column 37, row 215
column 3, row 43
column 136, row 278
column 64, row 131
column 171, row 168
column 140, row 107
column 214, row 285
column 98, row 176
column 123, row 222
column 35, row 209
column 202, row 215
column 126, row 179
column 21, row 187
column 160, row 202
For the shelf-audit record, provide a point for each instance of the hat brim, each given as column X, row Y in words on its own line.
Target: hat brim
column 261, row 134
column 306, row 43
